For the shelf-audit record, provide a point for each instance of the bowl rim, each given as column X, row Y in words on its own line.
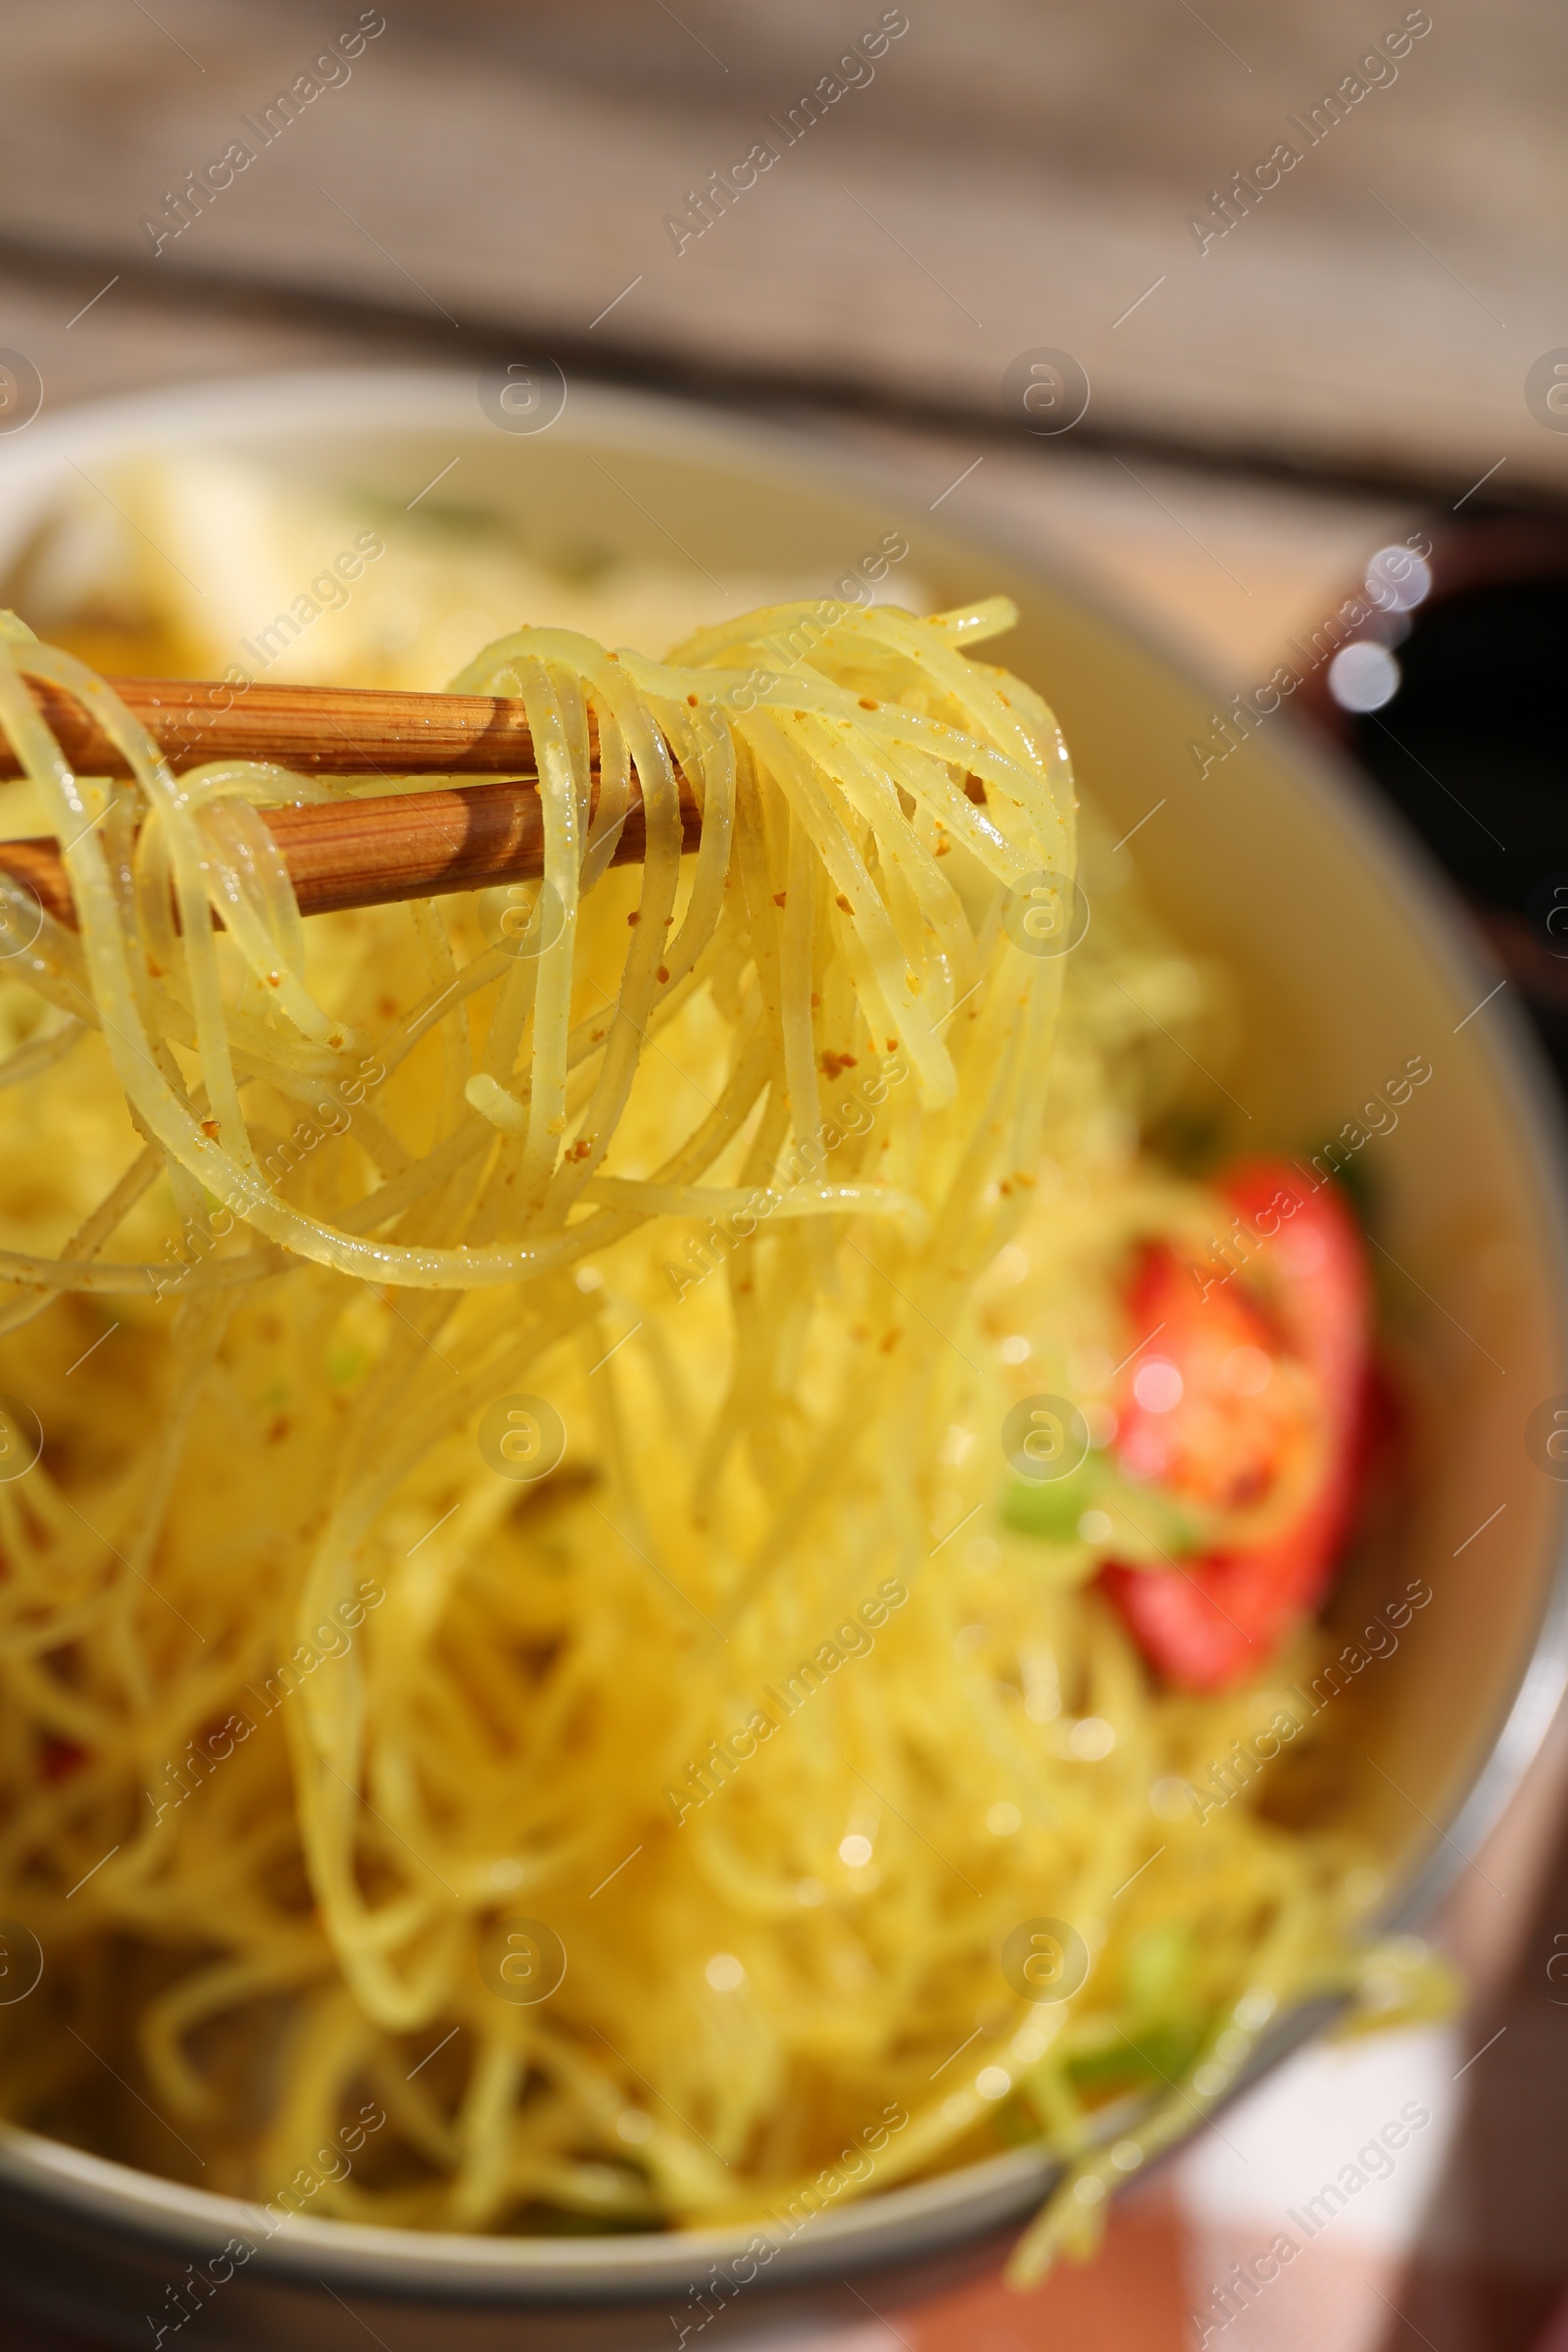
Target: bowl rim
column 934, row 2211
column 460, row 2267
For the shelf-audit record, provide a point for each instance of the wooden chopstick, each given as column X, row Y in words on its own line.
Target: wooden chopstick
column 316, row 730
column 344, row 854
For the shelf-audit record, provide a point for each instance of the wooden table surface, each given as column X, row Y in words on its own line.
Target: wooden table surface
column 986, row 182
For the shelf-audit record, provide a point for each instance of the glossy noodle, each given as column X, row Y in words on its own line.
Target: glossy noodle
column 506, row 1622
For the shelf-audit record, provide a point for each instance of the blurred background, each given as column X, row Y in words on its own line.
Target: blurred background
column 1209, row 305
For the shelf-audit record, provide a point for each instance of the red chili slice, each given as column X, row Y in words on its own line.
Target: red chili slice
column 60, row 1758
column 1298, row 1298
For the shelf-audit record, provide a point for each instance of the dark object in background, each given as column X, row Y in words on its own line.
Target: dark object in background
column 1449, row 696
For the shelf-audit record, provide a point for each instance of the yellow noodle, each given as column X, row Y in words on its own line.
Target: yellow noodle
column 308, row 1697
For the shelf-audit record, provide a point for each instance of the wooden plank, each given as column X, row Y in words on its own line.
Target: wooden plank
column 996, row 181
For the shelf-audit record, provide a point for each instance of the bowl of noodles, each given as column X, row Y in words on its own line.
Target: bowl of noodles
column 721, row 1572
